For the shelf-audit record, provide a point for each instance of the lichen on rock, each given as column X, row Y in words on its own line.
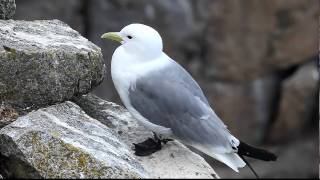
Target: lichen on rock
column 61, row 141
column 45, row 62
column 7, row 115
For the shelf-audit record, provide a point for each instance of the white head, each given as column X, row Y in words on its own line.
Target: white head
column 138, row 39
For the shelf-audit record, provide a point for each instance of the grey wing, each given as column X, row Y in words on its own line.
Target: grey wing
column 172, row 99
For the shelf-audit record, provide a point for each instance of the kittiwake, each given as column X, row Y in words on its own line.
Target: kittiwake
column 164, row 97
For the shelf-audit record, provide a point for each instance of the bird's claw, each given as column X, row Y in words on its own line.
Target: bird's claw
column 149, row 146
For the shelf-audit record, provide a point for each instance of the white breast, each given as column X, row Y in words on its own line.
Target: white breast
column 125, row 70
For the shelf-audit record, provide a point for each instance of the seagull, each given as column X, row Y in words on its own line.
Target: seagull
column 162, row 96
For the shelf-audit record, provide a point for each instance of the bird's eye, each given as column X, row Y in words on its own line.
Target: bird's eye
column 129, row 37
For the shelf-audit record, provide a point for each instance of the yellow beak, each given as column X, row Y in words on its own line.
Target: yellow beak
column 112, row 36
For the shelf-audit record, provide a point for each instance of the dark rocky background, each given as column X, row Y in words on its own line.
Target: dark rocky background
column 255, row 60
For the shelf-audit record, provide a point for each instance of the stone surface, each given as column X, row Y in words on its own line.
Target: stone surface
column 174, row 160
column 7, row 9
column 298, row 103
column 61, row 141
column 44, row 62
column 7, row 115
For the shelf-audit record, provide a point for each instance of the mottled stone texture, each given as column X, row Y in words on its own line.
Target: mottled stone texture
column 7, row 115
column 44, row 62
column 7, row 9
column 61, row 141
column 174, row 160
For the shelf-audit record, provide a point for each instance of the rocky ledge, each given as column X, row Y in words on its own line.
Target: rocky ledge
column 63, row 141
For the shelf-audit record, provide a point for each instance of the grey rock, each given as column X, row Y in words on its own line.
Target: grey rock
column 174, row 160
column 298, row 103
column 7, row 115
column 44, row 62
column 62, row 141
column 7, row 9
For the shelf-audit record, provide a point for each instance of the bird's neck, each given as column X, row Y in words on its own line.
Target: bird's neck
column 142, row 52
column 126, row 60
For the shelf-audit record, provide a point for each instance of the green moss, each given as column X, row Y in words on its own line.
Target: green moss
column 35, row 138
column 9, row 96
column 11, row 53
column 82, row 160
column 70, row 147
column 51, row 54
column 55, row 134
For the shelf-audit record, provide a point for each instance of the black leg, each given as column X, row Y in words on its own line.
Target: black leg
column 149, row 146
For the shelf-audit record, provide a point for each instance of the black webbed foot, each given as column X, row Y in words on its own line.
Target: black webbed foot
column 149, row 146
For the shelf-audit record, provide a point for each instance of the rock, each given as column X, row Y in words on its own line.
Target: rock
column 7, row 9
column 44, row 62
column 298, row 103
column 245, row 40
column 71, row 12
column 174, row 160
column 244, row 107
column 61, row 141
column 7, row 115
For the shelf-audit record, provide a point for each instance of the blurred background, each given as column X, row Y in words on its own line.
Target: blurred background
column 255, row 60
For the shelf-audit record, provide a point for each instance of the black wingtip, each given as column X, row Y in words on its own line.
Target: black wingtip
column 247, row 150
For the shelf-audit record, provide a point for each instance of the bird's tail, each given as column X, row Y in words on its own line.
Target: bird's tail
column 230, row 159
column 261, row 154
